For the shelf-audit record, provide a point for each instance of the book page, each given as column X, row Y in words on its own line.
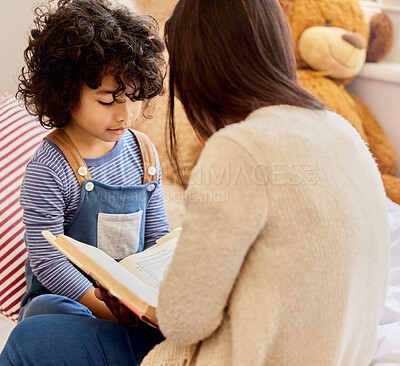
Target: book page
column 103, row 263
column 151, row 264
column 139, row 274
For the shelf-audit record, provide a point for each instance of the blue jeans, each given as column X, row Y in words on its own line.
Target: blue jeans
column 70, row 335
column 54, row 304
column 58, row 339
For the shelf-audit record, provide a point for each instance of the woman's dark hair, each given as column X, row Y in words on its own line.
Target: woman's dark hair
column 228, row 58
column 81, row 41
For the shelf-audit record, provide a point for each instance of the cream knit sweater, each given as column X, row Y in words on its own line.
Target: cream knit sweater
column 283, row 257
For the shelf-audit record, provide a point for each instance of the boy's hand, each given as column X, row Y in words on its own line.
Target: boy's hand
column 125, row 316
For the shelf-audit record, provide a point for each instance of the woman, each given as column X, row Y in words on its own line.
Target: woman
column 283, row 256
column 291, row 269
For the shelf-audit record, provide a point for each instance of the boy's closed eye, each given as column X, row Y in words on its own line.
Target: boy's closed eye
column 106, row 103
column 120, row 100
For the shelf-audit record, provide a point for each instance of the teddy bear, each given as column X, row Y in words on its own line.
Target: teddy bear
column 188, row 143
column 332, row 41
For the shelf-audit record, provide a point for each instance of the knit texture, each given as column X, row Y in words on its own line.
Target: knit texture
column 283, row 256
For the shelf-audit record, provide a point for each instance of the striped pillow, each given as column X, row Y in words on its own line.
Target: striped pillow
column 20, row 134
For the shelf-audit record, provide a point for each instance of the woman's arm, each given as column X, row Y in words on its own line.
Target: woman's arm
column 226, row 210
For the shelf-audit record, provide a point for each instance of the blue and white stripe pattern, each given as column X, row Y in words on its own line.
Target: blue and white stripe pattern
column 50, row 195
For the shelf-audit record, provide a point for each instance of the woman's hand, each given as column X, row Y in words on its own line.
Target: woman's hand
column 124, row 316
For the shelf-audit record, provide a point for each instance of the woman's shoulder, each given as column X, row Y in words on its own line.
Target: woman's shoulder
column 272, row 126
column 286, row 134
column 263, row 126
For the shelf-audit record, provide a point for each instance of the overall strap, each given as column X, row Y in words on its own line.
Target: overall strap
column 148, row 156
column 79, row 167
column 67, row 147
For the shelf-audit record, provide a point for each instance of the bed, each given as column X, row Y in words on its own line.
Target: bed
column 388, row 347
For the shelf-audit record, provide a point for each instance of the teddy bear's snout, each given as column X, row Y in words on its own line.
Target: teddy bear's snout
column 355, row 40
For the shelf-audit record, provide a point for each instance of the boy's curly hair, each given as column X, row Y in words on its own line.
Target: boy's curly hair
column 80, row 41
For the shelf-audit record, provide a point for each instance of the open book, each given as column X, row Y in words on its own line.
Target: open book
column 134, row 280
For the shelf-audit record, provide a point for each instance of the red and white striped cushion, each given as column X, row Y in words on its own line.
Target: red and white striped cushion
column 20, row 134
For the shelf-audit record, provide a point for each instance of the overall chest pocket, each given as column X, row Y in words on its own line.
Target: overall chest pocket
column 119, row 234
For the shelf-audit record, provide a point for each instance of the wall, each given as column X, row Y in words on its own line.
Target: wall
column 378, row 84
column 15, row 19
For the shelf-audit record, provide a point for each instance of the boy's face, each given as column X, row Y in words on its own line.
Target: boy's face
column 99, row 119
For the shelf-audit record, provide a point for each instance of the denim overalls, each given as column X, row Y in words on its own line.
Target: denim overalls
column 109, row 217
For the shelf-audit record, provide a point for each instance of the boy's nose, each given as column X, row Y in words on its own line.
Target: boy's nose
column 123, row 112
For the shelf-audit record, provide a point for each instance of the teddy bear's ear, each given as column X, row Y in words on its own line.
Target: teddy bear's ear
column 286, row 6
column 381, row 37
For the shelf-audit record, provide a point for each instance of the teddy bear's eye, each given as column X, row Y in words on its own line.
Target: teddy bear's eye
column 327, row 23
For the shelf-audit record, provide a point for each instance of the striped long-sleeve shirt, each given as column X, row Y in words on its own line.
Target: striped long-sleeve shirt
column 50, row 195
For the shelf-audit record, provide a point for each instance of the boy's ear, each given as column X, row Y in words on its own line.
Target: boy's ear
column 287, row 7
